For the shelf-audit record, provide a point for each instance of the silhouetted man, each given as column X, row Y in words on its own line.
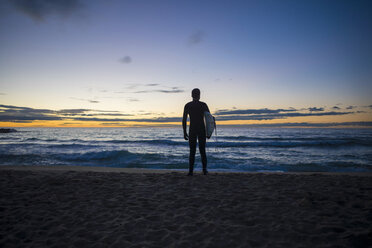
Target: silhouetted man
column 195, row 110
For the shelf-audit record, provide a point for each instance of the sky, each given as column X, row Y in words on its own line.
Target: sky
column 134, row 63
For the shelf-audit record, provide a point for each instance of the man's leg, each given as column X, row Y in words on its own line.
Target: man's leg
column 202, row 141
column 192, row 144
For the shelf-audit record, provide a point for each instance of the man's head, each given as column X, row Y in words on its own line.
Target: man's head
column 195, row 93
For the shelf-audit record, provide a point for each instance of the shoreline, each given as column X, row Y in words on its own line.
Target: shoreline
column 78, row 168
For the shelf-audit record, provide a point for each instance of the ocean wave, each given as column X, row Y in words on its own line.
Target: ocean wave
column 99, row 156
column 322, row 138
column 153, row 142
column 291, row 144
column 234, row 149
column 224, row 141
column 112, row 158
column 45, row 140
column 7, row 138
column 126, row 159
column 123, row 141
column 119, row 158
column 71, row 146
column 268, row 143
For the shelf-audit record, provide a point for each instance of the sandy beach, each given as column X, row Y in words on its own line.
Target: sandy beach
column 108, row 207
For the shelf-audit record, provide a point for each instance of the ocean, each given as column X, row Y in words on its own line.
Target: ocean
column 234, row 149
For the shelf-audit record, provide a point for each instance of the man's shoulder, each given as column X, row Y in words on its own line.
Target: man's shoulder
column 195, row 104
column 188, row 104
column 204, row 104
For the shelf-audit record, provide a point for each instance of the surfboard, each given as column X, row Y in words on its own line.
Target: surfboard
column 210, row 124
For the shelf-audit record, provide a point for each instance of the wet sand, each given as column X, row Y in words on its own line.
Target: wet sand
column 108, row 207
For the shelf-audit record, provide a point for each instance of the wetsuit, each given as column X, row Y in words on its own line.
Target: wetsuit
column 195, row 110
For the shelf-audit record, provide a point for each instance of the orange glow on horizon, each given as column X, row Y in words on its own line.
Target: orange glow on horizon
column 363, row 117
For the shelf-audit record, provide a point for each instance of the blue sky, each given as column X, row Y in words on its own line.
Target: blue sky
column 146, row 56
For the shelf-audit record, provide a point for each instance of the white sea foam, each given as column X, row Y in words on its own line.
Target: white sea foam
column 238, row 149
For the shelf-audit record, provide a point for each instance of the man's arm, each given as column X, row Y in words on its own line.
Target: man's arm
column 207, row 108
column 184, row 123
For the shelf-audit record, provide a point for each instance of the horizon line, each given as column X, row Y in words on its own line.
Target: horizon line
column 360, row 124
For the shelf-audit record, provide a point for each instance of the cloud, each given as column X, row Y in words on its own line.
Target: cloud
column 370, row 106
column 38, row 10
column 196, row 37
column 105, row 114
column 88, row 112
column 276, row 116
column 21, row 114
column 146, row 113
column 159, row 119
column 128, row 99
column 29, row 117
column 72, row 111
column 350, row 107
column 9, row 110
column 167, row 91
column 71, row 123
column 126, row 60
column 315, row 109
column 271, row 114
column 251, row 111
column 170, row 91
column 132, row 86
column 19, row 121
column 144, row 87
column 2, row 94
column 112, row 124
column 12, row 107
column 107, row 111
column 336, row 108
column 86, row 100
column 16, row 114
column 133, row 100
